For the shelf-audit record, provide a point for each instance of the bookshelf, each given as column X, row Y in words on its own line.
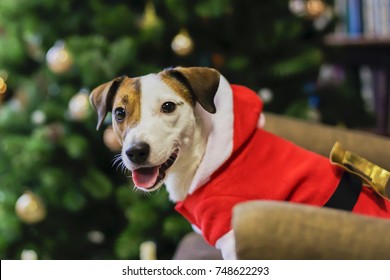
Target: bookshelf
column 362, row 41
column 345, row 41
column 374, row 52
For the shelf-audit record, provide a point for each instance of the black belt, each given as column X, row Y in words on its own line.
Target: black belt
column 347, row 192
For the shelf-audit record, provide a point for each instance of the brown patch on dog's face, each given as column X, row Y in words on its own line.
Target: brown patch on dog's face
column 128, row 98
column 178, row 87
column 202, row 84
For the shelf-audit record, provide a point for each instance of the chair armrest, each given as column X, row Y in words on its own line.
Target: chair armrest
column 283, row 230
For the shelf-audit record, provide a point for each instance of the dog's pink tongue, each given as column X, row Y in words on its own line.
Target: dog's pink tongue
column 145, row 177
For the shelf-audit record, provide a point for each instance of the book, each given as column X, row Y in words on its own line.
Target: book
column 381, row 99
column 340, row 9
column 368, row 18
column 367, row 88
column 355, row 22
column 384, row 17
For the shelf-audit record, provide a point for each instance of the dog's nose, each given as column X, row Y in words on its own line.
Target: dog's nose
column 138, row 152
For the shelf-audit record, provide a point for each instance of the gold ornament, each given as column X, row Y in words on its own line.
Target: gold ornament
column 315, row 8
column 110, row 140
column 182, row 43
column 307, row 8
column 149, row 19
column 78, row 106
column 96, row 236
column 28, row 255
column 30, row 208
column 58, row 58
column 147, row 251
column 3, row 86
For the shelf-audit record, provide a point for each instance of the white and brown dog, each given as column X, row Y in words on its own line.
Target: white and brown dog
column 189, row 129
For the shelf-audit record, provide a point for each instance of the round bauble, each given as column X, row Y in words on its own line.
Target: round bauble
column 30, row 208
column 3, row 86
column 182, row 43
column 78, row 106
column 58, row 58
column 110, row 140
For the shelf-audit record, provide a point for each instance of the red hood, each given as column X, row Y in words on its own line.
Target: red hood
column 247, row 109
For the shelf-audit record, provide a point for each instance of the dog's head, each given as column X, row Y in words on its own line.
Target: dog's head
column 153, row 117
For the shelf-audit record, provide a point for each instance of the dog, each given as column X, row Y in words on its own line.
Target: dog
column 190, row 129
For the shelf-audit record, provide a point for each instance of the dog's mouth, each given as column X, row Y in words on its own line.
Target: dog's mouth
column 150, row 177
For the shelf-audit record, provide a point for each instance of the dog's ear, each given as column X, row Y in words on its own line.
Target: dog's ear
column 101, row 98
column 203, row 83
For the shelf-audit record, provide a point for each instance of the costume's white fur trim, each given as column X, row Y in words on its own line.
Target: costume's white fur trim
column 261, row 122
column 227, row 245
column 219, row 128
column 196, row 229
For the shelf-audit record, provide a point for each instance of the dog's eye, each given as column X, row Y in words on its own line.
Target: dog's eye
column 119, row 113
column 168, row 107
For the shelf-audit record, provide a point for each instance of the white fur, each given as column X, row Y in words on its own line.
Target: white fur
column 227, row 245
column 261, row 122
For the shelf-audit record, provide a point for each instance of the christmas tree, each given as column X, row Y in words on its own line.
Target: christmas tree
column 62, row 196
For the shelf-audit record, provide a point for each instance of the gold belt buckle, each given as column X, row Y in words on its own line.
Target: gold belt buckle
column 375, row 176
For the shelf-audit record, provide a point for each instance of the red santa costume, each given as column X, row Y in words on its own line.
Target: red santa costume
column 244, row 162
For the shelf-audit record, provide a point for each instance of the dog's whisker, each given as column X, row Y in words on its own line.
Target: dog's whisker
column 124, row 168
column 148, row 194
column 119, row 165
column 136, row 189
column 117, row 156
column 121, row 168
column 117, row 160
